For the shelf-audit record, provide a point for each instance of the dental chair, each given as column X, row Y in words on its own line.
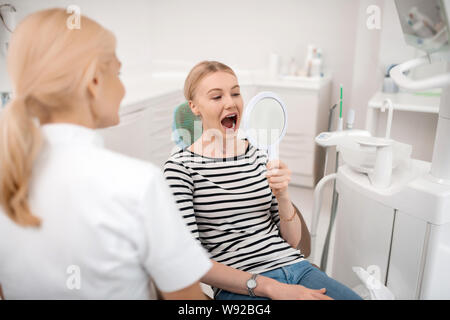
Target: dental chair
column 186, row 129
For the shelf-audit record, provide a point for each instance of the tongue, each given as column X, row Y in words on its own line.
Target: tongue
column 227, row 122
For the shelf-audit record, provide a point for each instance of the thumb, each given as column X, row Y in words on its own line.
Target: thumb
column 273, row 164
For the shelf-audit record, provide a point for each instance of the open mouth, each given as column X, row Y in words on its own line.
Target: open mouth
column 230, row 121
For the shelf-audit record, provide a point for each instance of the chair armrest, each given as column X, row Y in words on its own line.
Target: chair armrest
column 305, row 241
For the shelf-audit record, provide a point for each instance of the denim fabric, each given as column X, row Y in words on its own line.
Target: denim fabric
column 302, row 273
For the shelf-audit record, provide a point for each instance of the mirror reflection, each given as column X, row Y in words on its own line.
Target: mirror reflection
column 266, row 121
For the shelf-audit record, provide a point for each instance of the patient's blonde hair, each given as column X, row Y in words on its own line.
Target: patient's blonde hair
column 50, row 66
column 198, row 72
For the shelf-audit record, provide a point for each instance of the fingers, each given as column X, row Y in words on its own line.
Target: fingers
column 311, row 294
column 275, row 164
column 283, row 176
column 278, row 179
column 323, row 297
column 278, row 172
column 280, row 185
column 320, row 294
column 320, row 291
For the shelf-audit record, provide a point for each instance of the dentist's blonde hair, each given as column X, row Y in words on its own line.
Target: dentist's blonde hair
column 50, row 66
column 200, row 71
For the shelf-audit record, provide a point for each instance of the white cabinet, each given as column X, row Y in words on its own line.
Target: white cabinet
column 407, row 258
column 362, row 238
column 402, row 233
column 145, row 129
column 307, row 110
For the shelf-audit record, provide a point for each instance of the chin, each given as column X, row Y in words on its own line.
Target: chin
column 108, row 123
column 116, row 121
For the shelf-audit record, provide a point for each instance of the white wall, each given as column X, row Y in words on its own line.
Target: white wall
column 128, row 20
column 366, row 74
column 244, row 33
column 239, row 33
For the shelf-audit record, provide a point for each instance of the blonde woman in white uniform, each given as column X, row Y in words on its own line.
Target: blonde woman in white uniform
column 78, row 221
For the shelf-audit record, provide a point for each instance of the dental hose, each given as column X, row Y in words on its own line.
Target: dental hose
column 330, row 124
column 315, row 215
column 334, row 204
column 335, row 197
column 316, row 211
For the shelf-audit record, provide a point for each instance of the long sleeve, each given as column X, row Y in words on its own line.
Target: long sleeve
column 274, row 204
column 274, row 211
column 182, row 187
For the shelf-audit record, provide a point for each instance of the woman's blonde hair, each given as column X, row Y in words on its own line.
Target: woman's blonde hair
column 198, row 72
column 50, row 66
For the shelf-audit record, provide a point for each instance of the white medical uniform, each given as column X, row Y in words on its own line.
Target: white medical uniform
column 109, row 223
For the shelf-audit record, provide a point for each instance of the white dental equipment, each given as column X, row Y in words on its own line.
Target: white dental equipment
column 265, row 122
column 329, row 140
column 402, row 227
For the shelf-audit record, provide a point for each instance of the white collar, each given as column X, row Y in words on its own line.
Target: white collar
column 57, row 133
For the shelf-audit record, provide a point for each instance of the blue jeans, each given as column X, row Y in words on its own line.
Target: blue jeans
column 302, row 273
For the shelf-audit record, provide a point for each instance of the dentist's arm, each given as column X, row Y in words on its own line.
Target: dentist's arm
column 192, row 292
column 279, row 175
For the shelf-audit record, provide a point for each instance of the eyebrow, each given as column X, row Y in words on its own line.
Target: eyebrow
column 236, row 86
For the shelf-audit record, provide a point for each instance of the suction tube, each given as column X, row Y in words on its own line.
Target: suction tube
column 316, row 210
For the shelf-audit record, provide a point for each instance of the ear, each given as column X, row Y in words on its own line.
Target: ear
column 194, row 108
column 93, row 85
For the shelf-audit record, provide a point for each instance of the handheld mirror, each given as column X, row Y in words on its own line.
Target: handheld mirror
column 265, row 122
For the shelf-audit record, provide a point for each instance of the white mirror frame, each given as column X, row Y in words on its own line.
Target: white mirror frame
column 248, row 110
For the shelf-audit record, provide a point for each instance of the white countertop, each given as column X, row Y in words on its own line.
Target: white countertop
column 405, row 101
column 150, row 86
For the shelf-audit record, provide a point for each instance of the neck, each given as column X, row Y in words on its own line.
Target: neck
column 80, row 118
column 218, row 146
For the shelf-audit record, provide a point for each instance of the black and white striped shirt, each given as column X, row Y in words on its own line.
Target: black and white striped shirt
column 229, row 207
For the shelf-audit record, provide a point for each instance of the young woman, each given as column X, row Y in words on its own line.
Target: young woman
column 238, row 205
column 76, row 220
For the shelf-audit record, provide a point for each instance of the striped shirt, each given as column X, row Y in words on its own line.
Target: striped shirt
column 229, row 207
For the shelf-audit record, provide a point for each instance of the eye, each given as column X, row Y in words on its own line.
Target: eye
column 236, row 94
column 217, row 97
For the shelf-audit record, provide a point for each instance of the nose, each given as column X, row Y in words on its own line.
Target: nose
column 229, row 103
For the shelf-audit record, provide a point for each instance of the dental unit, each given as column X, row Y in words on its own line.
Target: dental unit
column 393, row 213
